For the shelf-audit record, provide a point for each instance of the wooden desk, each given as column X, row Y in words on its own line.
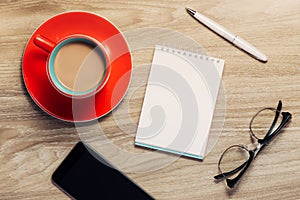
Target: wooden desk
column 32, row 144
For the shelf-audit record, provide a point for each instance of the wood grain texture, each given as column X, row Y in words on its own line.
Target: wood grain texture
column 32, row 144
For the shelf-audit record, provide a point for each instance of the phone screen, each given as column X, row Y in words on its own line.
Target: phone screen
column 85, row 175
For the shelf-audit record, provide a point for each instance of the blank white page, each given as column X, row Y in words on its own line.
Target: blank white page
column 179, row 102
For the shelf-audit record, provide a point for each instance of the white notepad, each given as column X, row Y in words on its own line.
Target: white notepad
column 179, row 102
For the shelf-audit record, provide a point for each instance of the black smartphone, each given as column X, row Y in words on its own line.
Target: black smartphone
column 84, row 174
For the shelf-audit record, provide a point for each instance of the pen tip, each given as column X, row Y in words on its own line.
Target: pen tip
column 190, row 11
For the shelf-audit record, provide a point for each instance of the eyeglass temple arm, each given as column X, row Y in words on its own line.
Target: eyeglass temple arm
column 286, row 118
column 226, row 174
column 232, row 182
column 279, row 107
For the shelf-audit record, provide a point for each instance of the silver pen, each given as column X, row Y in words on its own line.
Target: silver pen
column 233, row 38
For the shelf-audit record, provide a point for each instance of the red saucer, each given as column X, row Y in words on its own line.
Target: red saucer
column 47, row 97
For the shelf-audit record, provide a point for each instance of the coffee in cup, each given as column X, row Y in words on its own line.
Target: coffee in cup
column 77, row 66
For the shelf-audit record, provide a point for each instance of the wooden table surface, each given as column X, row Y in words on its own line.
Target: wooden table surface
column 32, row 143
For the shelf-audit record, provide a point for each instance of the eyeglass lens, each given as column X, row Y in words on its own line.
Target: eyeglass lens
column 234, row 157
column 262, row 121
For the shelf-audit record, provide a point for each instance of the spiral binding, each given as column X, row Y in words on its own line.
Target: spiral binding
column 187, row 53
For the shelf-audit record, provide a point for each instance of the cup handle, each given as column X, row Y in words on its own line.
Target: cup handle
column 44, row 43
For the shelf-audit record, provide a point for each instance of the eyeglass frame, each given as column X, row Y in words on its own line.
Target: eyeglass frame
column 270, row 135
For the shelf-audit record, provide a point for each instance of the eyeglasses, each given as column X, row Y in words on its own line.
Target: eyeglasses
column 236, row 159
